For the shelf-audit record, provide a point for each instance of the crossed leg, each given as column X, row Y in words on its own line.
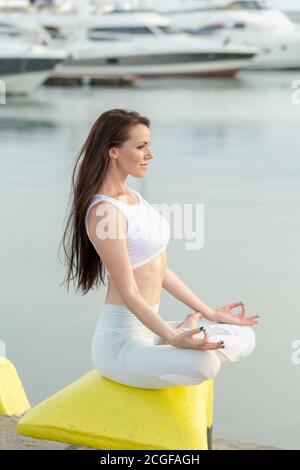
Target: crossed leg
column 239, row 341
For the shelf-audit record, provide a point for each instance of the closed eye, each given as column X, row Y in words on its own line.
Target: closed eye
column 141, row 146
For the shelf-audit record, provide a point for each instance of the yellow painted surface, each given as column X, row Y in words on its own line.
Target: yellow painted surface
column 13, row 399
column 97, row 412
column 210, row 402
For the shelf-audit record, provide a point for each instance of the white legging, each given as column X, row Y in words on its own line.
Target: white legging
column 126, row 351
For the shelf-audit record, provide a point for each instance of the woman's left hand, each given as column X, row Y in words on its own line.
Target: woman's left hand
column 225, row 315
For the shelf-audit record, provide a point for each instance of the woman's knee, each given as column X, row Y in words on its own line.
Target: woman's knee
column 210, row 366
column 251, row 337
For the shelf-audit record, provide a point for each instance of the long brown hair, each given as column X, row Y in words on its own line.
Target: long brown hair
column 110, row 129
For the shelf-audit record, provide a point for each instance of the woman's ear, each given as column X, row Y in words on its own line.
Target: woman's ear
column 112, row 153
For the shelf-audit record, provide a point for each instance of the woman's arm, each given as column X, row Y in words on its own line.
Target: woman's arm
column 178, row 289
column 182, row 292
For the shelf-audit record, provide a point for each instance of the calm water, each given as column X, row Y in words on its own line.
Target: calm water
column 232, row 145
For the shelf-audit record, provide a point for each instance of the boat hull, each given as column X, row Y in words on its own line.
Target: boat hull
column 23, row 75
column 99, row 69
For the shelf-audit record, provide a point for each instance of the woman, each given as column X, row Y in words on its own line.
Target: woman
column 113, row 228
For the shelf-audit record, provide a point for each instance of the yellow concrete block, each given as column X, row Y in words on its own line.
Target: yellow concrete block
column 13, row 399
column 100, row 413
column 210, row 402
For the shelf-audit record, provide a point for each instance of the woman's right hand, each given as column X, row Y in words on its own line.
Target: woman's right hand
column 185, row 339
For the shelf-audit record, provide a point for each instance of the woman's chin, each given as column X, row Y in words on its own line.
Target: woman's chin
column 139, row 174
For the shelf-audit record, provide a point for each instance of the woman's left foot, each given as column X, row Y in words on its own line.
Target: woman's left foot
column 189, row 322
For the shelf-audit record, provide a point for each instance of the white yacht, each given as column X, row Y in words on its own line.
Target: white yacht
column 25, row 58
column 247, row 22
column 142, row 44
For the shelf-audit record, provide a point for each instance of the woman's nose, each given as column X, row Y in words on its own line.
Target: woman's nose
column 150, row 155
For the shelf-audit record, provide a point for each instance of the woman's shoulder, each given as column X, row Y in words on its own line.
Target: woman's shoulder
column 113, row 217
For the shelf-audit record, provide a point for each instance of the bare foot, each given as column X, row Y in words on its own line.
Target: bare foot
column 189, row 322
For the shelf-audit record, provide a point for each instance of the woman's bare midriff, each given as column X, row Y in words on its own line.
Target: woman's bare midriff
column 148, row 277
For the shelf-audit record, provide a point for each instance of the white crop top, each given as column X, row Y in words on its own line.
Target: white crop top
column 148, row 231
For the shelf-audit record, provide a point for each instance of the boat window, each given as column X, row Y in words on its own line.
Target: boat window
column 103, row 37
column 55, row 33
column 9, row 30
column 9, row 33
column 249, row 5
column 169, row 29
column 112, row 60
column 239, row 25
column 208, row 29
column 122, row 30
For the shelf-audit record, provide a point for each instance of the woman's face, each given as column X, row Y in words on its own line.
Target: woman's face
column 134, row 155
